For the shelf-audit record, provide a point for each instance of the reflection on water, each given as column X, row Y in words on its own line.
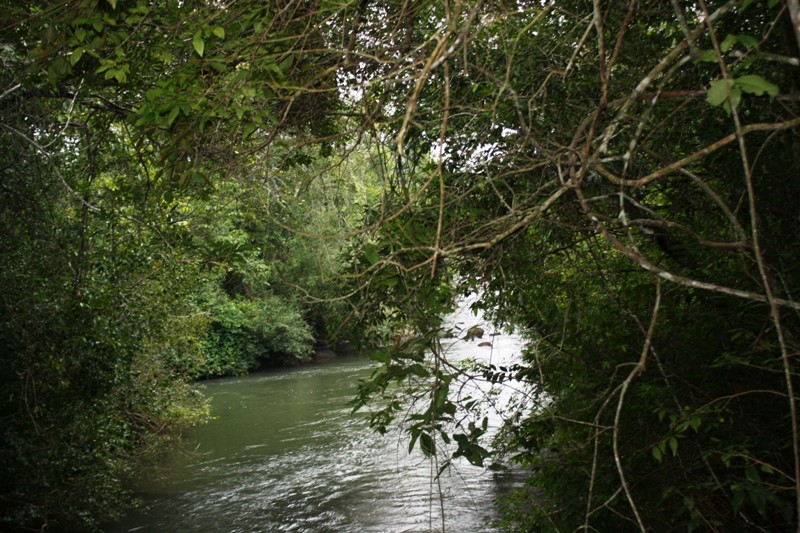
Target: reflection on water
column 284, row 453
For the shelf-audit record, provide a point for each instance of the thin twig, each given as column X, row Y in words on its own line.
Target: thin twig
column 638, row 369
column 10, row 90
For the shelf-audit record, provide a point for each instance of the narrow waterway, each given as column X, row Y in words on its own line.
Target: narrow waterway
column 285, row 453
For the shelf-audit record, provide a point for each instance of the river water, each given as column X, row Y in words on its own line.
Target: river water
column 285, row 453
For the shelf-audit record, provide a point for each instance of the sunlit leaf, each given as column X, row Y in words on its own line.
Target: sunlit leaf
column 198, row 43
column 718, row 92
column 755, row 84
column 105, row 65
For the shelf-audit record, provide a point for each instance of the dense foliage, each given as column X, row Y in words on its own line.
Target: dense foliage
column 126, row 272
column 616, row 180
column 191, row 188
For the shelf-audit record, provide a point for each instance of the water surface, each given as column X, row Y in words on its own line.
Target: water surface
column 285, row 453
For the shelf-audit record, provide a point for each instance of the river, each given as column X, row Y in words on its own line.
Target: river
column 285, row 453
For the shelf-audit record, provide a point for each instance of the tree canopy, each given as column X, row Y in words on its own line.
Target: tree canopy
column 617, row 180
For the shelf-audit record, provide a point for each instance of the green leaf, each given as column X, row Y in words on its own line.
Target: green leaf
column 371, row 253
column 751, row 43
column 414, row 437
column 440, row 399
column 381, row 356
column 219, row 31
column 112, row 3
column 752, row 474
column 707, row 56
column 419, row 370
column 657, row 454
column 759, row 498
column 56, row 70
column 728, row 42
column 198, row 43
column 736, row 94
column 426, row 444
column 738, row 497
column 173, row 114
column 80, row 34
column 249, row 128
column 718, row 92
column 75, row 56
column 673, row 445
column 105, row 65
column 476, row 454
column 286, row 64
column 755, row 84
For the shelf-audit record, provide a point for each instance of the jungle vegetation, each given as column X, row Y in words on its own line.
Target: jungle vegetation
column 193, row 188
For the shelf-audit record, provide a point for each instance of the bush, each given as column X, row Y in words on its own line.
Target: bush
column 245, row 333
